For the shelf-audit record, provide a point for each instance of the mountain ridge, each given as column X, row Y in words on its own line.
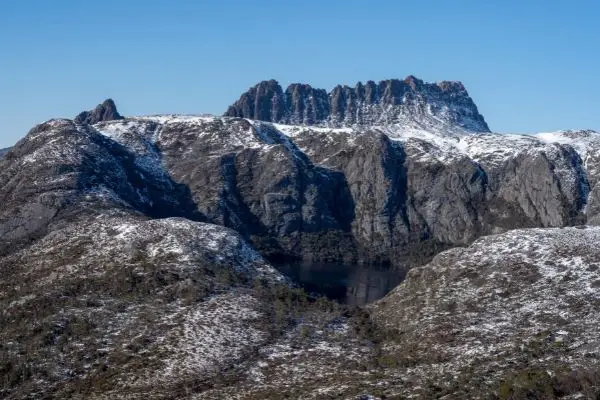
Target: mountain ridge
column 390, row 101
column 375, row 191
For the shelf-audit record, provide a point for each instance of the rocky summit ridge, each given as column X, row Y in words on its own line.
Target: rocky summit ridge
column 410, row 102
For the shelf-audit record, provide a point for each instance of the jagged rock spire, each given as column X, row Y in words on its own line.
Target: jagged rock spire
column 107, row 111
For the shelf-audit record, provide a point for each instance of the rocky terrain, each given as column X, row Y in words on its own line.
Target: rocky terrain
column 137, row 254
column 379, row 194
column 115, row 292
column 512, row 316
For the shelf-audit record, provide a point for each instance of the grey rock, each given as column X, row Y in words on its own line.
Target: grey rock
column 265, row 188
column 266, row 101
column 305, row 105
column 107, row 111
column 313, row 194
column 61, row 169
column 408, row 101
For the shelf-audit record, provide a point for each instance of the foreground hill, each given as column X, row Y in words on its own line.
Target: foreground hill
column 119, row 301
column 512, row 316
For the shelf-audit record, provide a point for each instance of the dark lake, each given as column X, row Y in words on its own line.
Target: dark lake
column 348, row 284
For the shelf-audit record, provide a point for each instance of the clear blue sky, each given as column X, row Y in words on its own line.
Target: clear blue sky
column 530, row 65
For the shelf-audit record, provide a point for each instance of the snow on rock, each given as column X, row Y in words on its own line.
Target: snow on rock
column 163, row 300
column 182, row 242
column 442, row 142
column 524, row 289
column 206, row 337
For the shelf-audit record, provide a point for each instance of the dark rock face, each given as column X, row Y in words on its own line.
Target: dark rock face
column 107, row 111
column 404, row 201
column 305, row 105
column 4, row 151
column 387, row 102
column 265, row 100
column 61, row 169
column 313, row 194
column 265, row 188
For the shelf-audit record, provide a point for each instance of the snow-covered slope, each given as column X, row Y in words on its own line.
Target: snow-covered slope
column 444, row 142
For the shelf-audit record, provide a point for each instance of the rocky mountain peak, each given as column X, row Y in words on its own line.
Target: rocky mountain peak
column 410, row 102
column 265, row 101
column 106, row 111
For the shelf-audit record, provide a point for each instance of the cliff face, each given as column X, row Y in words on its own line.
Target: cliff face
column 372, row 194
column 409, row 101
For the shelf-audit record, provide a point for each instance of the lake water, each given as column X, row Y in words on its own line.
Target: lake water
column 348, row 284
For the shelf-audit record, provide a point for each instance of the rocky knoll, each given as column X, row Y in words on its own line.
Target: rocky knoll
column 117, row 301
column 51, row 174
column 514, row 314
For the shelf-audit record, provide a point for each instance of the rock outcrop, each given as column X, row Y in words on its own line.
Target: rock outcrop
column 61, row 169
column 408, row 101
column 107, row 111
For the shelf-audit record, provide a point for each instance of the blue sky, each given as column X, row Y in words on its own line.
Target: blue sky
column 529, row 65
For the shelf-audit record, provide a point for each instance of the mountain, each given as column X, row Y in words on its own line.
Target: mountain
column 4, row 151
column 137, row 254
column 371, row 194
column 390, row 193
column 410, row 102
